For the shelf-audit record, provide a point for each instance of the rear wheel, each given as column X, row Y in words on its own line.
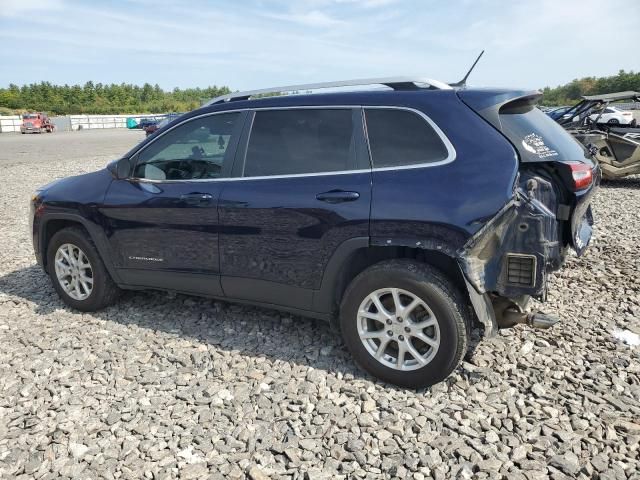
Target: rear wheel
column 77, row 271
column 405, row 323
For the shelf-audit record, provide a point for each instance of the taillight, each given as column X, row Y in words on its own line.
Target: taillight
column 581, row 173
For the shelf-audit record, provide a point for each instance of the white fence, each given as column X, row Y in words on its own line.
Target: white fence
column 10, row 123
column 81, row 122
column 77, row 122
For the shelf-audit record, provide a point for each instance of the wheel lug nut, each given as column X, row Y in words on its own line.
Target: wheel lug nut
column 407, row 329
column 399, row 319
column 389, row 321
column 390, row 333
column 401, row 338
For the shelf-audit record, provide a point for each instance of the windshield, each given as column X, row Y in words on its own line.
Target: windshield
column 29, row 115
column 536, row 136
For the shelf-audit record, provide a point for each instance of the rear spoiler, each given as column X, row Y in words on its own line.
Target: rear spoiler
column 489, row 103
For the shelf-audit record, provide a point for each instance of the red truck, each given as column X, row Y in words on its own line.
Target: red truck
column 36, row 123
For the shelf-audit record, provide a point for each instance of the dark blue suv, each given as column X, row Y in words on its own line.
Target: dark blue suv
column 405, row 215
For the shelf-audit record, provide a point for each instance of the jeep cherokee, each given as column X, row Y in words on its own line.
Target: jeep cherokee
column 404, row 214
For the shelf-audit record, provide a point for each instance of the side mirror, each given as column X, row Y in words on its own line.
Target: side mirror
column 122, row 169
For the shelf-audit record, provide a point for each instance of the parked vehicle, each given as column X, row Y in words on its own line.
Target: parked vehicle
column 613, row 116
column 36, row 122
column 151, row 129
column 558, row 112
column 404, row 216
column 146, row 122
column 616, row 146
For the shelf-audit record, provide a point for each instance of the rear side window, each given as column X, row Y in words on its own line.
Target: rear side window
column 401, row 137
column 537, row 136
column 299, row 141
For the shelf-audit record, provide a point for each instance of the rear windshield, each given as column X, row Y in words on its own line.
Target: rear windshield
column 537, row 137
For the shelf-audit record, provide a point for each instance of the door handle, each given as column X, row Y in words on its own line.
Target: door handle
column 338, row 196
column 196, row 198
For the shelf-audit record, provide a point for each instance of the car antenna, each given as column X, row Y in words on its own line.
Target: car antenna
column 463, row 82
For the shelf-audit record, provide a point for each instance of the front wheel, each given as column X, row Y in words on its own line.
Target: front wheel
column 77, row 271
column 405, row 323
column 613, row 121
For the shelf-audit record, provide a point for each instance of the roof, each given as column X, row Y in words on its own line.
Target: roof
column 395, row 83
column 477, row 98
column 612, row 97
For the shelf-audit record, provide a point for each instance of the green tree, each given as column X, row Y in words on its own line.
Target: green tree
column 571, row 92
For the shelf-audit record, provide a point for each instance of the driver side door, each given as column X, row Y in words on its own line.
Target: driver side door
column 162, row 222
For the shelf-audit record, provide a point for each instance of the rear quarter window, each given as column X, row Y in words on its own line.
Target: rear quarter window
column 536, row 136
column 402, row 138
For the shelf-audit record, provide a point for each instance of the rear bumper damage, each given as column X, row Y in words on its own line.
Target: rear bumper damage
column 513, row 252
column 509, row 259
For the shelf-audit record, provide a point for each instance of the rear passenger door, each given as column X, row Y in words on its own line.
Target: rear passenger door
column 302, row 187
column 411, row 175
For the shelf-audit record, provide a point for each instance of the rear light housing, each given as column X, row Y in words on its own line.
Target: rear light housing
column 581, row 174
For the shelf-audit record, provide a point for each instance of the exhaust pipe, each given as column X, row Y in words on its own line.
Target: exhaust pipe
column 513, row 317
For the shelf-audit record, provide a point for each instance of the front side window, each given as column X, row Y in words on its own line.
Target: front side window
column 401, row 138
column 195, row 150
column 300, row 141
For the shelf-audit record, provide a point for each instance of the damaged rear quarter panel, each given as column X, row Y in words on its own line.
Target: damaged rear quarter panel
column 526, row 225
column 445, row 203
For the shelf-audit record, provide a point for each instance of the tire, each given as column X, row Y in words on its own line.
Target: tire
column 613, row 121
column 103, row 291
column 441, row 301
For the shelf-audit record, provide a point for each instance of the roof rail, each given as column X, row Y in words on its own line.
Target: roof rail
column 396, row 83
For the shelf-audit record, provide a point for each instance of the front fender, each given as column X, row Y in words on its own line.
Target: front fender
column 95, row 233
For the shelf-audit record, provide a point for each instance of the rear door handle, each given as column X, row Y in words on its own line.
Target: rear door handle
column 196, row 198
column 338, row 196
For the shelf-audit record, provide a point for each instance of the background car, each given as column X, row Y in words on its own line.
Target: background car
column 557, row 112
column 146, row 122
column 152, row 128
column 613, row 116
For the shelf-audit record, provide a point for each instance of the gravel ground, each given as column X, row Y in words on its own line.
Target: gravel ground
column 165, row 386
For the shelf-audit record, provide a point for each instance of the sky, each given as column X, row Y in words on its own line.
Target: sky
column 249, row 44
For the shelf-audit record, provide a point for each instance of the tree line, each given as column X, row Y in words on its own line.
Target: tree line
column 125, row 98
column 571, row 92
column 102, row 99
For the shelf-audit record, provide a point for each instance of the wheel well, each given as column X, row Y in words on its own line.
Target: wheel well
column 363, row 258
column 50, row 229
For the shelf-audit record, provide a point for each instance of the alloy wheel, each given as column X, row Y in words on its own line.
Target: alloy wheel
column 73, row 271
column 398, row 329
